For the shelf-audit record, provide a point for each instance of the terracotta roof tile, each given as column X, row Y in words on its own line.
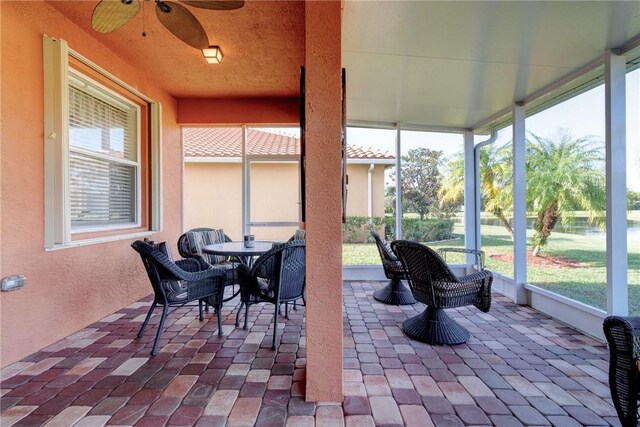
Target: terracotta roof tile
column 226, row 142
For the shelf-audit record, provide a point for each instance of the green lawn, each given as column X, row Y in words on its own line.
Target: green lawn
column 585, row 283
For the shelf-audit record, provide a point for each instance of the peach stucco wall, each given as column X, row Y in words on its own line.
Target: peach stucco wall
column 213, row 196
column 66, row 289
column 274, row 193
column 324, row 201
column 249, row 111
column 358, row 190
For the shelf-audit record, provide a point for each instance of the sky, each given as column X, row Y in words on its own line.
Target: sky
column 583, row 115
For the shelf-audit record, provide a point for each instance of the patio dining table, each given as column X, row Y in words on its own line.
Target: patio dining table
column 238, row 250
column 243, row 254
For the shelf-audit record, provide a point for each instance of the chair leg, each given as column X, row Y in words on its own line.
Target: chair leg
column 154, row 350
column 146, row 320
column 200, row 310
column 286, row 310
column 238, row 314
column 274, row 345
column 246, row 315
column 295, row 305
column 394, row 293
column 219, row 316
column 433, row 326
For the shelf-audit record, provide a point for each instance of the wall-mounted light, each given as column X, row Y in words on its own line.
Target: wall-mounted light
column 212, row 54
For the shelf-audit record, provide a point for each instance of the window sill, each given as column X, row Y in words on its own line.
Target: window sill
column 100, row 240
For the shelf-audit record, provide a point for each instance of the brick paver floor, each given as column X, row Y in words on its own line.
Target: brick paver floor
column 519, row 368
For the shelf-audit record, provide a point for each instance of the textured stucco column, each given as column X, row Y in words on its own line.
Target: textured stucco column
column 323, row 200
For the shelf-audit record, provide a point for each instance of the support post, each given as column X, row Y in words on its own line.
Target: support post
column 398, row 185
column 370, row 192
column 323, row 125
column 246, row 186
column 470, row 207
column 616, row 172
column 477, row 185
column 519, row 205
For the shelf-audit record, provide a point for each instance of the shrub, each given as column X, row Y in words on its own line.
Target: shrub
column 428, row 230
column 356, row 229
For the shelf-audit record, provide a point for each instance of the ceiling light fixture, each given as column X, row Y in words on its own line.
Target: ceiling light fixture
column 212, row 54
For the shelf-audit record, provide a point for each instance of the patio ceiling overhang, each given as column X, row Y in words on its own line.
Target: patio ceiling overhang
column 448, row 66
column 263, row 44
column 442, row 66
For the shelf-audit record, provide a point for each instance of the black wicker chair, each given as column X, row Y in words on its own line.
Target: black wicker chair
column 434, row 284
column 299, row 234
column 177, row 283
column 190, row 245
column 623, row 336
column 277, row 276
column 395, row 292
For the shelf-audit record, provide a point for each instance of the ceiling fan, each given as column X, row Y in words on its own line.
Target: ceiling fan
column 109, row 15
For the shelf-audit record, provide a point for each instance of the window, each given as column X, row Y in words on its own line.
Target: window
column 101, row 144
column 103, row 157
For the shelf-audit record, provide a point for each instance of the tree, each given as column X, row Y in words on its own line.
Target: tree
column 421, row 181
column 390, row 200
column 633, row 200
column 495, row 182
column 563, row 175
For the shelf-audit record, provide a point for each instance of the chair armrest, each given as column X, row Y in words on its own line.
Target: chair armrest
column 393, row 266
column 191, row 265
column 624, row 331
column 181, row 274
column 484, row 278
column 203, row 262
column 473, row 277
column 248, row 279
column 478, row 254
column 623, row 337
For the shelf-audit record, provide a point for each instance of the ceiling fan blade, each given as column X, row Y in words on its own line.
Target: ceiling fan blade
column 215, row 4
column 182, row 24
column 109, row 15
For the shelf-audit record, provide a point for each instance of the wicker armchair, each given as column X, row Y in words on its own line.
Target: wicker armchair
column 299, row 234
column 623, row 336
column 277, row 276
column 395, row 292
column 190, row 245
column 177, row 283
column 434, row 284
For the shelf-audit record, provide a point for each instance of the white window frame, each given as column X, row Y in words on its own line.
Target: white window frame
column 58, row 230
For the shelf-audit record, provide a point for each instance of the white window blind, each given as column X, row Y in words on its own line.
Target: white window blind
column 103, row 153
column 102, row 156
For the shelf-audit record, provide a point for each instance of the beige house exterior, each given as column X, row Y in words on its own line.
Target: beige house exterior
column 213, row 181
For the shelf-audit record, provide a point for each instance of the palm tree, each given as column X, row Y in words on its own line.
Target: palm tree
column 563, row 175
column 495, row 182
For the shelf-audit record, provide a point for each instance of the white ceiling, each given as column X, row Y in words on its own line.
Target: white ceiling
column 457, row 64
